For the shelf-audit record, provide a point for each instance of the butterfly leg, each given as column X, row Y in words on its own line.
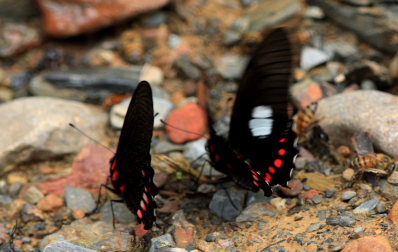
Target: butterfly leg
column 113, row 214
column 99, row 194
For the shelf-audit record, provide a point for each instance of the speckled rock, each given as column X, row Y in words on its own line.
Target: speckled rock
column 77, row 198
column 227, row 207
column 43, row 131
column 373, row 111
column 65, row 246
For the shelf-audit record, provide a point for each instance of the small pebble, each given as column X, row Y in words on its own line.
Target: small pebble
column 77, row 198
column 344, row 150
column 348, row 174
column 317, row 199
column 347, row 195
column 32, row 195
column 329, row 193
column 315, row 226
column 367, row 206
column 359, row 230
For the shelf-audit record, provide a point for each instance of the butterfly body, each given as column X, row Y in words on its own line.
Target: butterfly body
column 131, row 172
column 260, row 148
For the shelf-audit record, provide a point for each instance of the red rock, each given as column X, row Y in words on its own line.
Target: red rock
column 393, row 214
column 294, row 188
column 67, row 18
column 377, row 243
column 183, row 231
column 311, row 193
column 89, row 170
column 50, row 202
column 189, row 118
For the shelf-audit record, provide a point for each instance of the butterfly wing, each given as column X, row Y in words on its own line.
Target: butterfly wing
column 131, row 171
column 260, row 127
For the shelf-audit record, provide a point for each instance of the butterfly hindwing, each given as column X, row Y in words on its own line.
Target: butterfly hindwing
column 131, row 171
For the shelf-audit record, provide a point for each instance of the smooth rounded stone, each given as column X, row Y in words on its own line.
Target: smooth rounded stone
column 344, row 221
column 317, row 199
column 312, row 57
column 227, row 207
column 367, row 206
column 159, row 242
column 231, row 66
column 256, row 212
column 32, row 195
column 359, row 230
column 375, row 112
column 5, row 200
column 174, row 40
column 43, row 129
column 95, row 235
column 329, row 193
column 347, row 195
column 62, row 246
column 77, row 198
column 154, row 19
column 231, row 38
column 369, row 243
column 349, row 174
column 121, row 212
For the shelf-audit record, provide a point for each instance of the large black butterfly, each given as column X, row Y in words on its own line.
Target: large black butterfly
column 131, row 172
column 260, row 148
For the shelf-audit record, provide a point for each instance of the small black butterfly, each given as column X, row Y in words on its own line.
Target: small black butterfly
column 131, row 172
column 260, row 148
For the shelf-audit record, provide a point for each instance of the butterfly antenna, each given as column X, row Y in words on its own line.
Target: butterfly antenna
column 91, row 138
column 183, row 130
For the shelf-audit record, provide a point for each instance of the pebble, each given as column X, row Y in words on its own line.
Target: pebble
column 187, row 69
column 174, row 40
column 329, row 193
column 347, row 195
column 312, row 57
column 369, row 243
column 15, row 188
column 77, row 198
column 121, row 212
column 359, row 230
column 32, row 195
column 344, row 221
column 5, row 200
column 317, row 199
column 344, row 150
column 279, row 203
column 183, row 231
column 231, row 66
column 50, row 202
column 294, row 188
column 31, row 213
column 162, row 241
column 227, row 207
column 315, row 226
column 367, row 206
column 190, row 118
column 62, row 246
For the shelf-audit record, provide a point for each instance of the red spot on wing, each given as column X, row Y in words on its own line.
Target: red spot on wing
column 282, row 140
column 212, row 148
column 217, row 157
column 143, row 206
column 282, row 152
column 240, row 156
column 255, row 183
column 113, row 167
column 268, row 177
column 139, row 214
column 278, row 163
column 271, row 169
column 255, row 177
column 122, row 188
column 115, row 175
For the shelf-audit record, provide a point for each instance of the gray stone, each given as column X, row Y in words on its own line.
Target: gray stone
column 122, row 213
column 33, row 195
column 62, row 246
column 162, row 241
column 5, row 200
column 312, row 57
column 174, row 40
column 77, row 198
column 231, row 66
column 37, row 129
column 344, row 115
column 231, row 38
column 227, row 207
column 187, row 69
column 347, row 195
column 317, row 199
column 15, row 188
column 367, row 206
column 154, row 19
column 329, row 193
column 342, row 50
column 315, row 226
column 344, row 221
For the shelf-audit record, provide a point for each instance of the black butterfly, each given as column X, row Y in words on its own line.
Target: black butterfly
column 131, row 172
column 260, row 148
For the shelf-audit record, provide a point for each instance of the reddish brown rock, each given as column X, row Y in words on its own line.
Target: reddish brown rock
column 139, row 231
column 311, row 193
column 183, row 231
column 344, row 150
column 67, row 18
column 189, row 118
column 393, row 214
column 50, row 202
column 78, row 214
column 89, row 170
column 377, row 243
column 294, row 188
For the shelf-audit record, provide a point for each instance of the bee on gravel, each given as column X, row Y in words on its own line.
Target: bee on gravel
column 304, row 120
column 377, row 163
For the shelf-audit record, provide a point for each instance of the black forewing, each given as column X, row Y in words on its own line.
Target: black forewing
column 133, row 160
column 265, row 82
